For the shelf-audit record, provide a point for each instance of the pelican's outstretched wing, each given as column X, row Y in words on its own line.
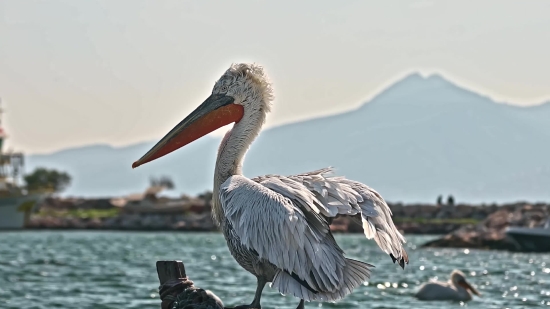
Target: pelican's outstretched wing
column 338, row 195
column 290, row 232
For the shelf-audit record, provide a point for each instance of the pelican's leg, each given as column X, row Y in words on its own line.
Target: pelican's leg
column 256, row 302
column 301, row 305
column 258, row 295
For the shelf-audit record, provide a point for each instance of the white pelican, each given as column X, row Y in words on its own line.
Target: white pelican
column 277, row 227
column 456, row 289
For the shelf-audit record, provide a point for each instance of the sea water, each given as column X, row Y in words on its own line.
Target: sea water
column 75, row 269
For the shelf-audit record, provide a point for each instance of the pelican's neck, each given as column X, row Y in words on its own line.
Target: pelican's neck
column 231, row 153
column 464, row 294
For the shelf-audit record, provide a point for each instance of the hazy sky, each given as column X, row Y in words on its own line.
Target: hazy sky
column 119, row 72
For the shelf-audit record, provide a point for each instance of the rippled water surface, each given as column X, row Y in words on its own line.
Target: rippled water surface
column 117, row 270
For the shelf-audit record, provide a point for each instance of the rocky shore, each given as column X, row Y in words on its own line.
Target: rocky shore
column 490, row 233
column 146, row 212
column 473, row 226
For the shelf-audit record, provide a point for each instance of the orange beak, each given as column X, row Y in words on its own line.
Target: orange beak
column 215, row 112
column 467, row 286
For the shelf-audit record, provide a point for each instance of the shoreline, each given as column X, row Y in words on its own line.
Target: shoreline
column 35, row 229
column 458, row 226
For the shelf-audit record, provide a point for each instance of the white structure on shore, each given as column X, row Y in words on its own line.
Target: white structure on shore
column 15, row 203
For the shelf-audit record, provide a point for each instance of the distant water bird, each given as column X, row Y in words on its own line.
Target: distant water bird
column 456, row 289
column 277, row 227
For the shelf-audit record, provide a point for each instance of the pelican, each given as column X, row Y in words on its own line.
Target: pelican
column 277, row 227
column 456, row 289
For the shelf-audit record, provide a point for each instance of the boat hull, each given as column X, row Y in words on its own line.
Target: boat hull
column 14, row 211
column 531, row 240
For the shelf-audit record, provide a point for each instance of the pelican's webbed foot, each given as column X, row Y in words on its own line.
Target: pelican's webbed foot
column 301, row 305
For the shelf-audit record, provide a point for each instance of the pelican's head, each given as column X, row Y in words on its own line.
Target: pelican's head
column 242, row 91
column 248, row 85
column 458, row 279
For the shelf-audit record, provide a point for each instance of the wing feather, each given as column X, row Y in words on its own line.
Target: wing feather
column 285, row 220
column 271, row 224
column 336, row 195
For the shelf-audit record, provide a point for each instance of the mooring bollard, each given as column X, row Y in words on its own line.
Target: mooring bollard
column 178, row 292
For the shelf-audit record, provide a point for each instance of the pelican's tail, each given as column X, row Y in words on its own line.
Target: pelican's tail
column 354, row 274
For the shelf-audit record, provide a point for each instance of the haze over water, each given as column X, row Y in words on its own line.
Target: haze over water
column 50, row 269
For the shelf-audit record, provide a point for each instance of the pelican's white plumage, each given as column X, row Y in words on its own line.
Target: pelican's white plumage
column 284, row 220
column 277, row 227
column 330, row 196
column 456, row 289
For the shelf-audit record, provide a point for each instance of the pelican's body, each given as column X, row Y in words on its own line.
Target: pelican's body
column 456, row 289
column 277, row 227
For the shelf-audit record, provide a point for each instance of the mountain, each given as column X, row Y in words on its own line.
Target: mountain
column 421, row 137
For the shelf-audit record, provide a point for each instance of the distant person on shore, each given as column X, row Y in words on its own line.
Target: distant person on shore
column 450, row 200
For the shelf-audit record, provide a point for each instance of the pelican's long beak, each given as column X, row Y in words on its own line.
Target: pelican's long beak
column 217, row 111
column 467, row 286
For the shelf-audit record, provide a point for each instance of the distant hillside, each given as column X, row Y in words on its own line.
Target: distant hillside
column 419, row 138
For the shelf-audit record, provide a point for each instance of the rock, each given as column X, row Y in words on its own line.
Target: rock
column 490, row 233
column 462, row 211
column 411, row 211
column 340, row 225
column 426, row 229
column 397, row 209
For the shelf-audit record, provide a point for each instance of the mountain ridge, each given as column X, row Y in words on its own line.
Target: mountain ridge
column 459, row 141
column 414, row 74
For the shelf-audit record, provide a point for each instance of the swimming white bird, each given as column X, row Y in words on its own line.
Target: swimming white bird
column 277, row 227
column 456, row 289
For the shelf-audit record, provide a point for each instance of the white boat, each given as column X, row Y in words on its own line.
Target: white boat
column 536, row 239
column 15, row 204
column 15, row 211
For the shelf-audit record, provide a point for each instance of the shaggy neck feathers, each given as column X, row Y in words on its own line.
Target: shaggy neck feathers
column 231, row 153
